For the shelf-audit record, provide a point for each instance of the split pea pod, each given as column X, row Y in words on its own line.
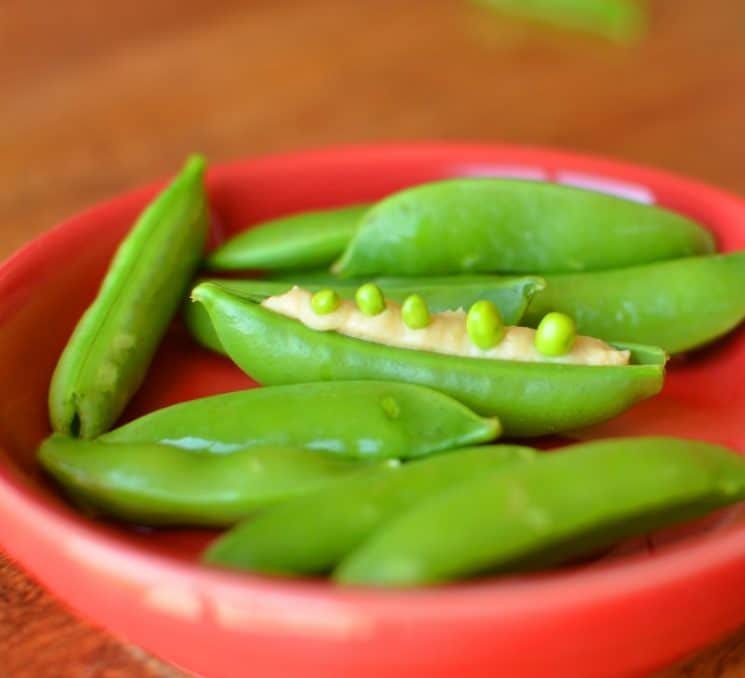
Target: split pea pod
column 299, row 240
column 365, row 419
column 529, row 398
column 311, row 535
column 109, row 352
column 152, row 484
column 677, row 305
column 510, row 226
column 510, row 294
column 564, row 505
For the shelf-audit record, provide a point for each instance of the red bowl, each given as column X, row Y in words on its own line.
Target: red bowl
column 623, row 615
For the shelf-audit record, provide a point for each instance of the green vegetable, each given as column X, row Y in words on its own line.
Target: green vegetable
column 620, row 20
column 530, row 398
column 165, row 485
column 324, row 302
column 300, row 240
column 414, row 312
column 484, row 325
column 312, row 534
column 365, row 419
column 555, row 334
column 509, row 294
column 509, row 226
column 568, row 504
column 370, row 299
column 678, row 305
column 109, row 352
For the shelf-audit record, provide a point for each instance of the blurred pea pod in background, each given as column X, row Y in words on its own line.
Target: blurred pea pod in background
column 622, row 21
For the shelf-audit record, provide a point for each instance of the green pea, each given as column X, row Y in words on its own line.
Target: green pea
column 555, row 334
column 415, row 313
column 370, row 299
column 484, row 324
column 324, row 302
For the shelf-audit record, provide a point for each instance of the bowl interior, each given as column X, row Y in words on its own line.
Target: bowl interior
column 45, row 287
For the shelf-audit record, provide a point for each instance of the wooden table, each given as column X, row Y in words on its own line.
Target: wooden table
column 99, row 97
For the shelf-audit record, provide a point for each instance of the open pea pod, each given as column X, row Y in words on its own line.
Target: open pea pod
column 529, row 398
column 510, row 294
column 562, row 506
column 312, row 534
column 510, row 226
column 677, row 305
column 152, row 484
column 301, row 240
column 365, row 419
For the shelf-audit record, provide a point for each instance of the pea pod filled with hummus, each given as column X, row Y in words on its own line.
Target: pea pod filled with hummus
column 510, row 294
column 537, row 381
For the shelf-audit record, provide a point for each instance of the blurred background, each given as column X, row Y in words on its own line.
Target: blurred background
column 101, row 96
column 98, row 97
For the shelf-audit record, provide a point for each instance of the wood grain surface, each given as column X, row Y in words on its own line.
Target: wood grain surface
column 100, row 96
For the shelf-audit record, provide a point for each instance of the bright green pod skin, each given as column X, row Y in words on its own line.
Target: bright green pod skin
column 618, row 20
column 109, row 352
column 364, row 419
column 152, row 484
column 510, row 294
column 529, row 398
column 680, row 304
column 510, row 226
column 302, row 240
column 311, row 535
column 563, row 506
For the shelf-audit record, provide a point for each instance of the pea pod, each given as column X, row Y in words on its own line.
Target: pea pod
column 163, row 485
column 510, row 294
column 312, row 534
column 109, row 352
column 620, row 20
column 530, row 398
column 678, row 305
column 509, row 226
column 300, row 240
column 365, row 419
column 563, row 506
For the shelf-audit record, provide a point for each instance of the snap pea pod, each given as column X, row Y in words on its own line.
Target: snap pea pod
column 510, row 294
column 297, row 241
column 529, row 398
column 312, row 534
column 678, row 305
column 619, row 20
column 109, row 352
column 366, row 419
column 163, row 485
column 564, row 505
column 511, row 226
